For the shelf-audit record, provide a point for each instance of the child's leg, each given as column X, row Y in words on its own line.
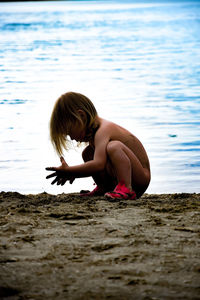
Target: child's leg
column 127, row 167
column 103, row 180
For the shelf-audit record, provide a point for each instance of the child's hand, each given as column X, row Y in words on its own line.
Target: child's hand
column 62, row 168
column 60, row 173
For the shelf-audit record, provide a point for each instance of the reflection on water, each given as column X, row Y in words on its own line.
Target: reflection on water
column 137, row 61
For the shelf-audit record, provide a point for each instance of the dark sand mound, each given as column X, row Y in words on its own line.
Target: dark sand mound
column 69, row 247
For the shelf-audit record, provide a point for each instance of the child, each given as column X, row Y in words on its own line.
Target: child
column 114, row 157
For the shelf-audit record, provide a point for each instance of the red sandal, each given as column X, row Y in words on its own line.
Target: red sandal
column 96, row 192
column 121, row 192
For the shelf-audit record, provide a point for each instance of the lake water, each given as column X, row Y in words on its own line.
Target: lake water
column 138, row 61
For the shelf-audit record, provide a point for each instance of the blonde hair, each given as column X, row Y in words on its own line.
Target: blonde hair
column 65, row 113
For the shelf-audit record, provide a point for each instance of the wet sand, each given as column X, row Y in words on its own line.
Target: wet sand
column 69, row 247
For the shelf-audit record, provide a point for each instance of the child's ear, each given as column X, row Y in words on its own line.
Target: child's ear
column 83, row 115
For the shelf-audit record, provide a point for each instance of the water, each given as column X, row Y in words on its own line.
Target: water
column 139, row 62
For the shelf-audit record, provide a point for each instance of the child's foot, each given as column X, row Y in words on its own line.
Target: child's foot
column 98, row 191
column 121, row 192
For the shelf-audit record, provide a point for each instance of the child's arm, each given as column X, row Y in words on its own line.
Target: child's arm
column 88, row 168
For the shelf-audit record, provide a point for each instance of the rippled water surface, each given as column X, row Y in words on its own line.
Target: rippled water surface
column 138, row 61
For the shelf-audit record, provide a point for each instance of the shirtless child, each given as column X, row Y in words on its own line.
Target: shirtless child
column 114, row 157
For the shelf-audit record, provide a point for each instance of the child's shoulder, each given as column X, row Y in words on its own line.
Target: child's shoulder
column 106, row 126
column 106, row 123
column 112, row 130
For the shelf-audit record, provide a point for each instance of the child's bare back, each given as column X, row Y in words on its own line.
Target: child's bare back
column 118, row 133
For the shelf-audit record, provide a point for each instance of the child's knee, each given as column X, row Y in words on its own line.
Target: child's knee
column 88, row 153
column 113, row 146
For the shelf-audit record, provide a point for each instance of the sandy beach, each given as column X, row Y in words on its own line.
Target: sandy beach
column 70, row 247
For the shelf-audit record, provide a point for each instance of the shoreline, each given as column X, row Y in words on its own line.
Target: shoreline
column 70, row 247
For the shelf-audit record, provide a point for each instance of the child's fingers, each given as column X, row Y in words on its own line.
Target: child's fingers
column 58, row 181
column 71, row 180
column 63, row 162
column 51, row 175
column 55, row 180
column 51, row 169
column 63, row 181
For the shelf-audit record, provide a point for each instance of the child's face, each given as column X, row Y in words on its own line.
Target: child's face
column 77, row 131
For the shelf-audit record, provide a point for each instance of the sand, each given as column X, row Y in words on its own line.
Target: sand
column 69, row 247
